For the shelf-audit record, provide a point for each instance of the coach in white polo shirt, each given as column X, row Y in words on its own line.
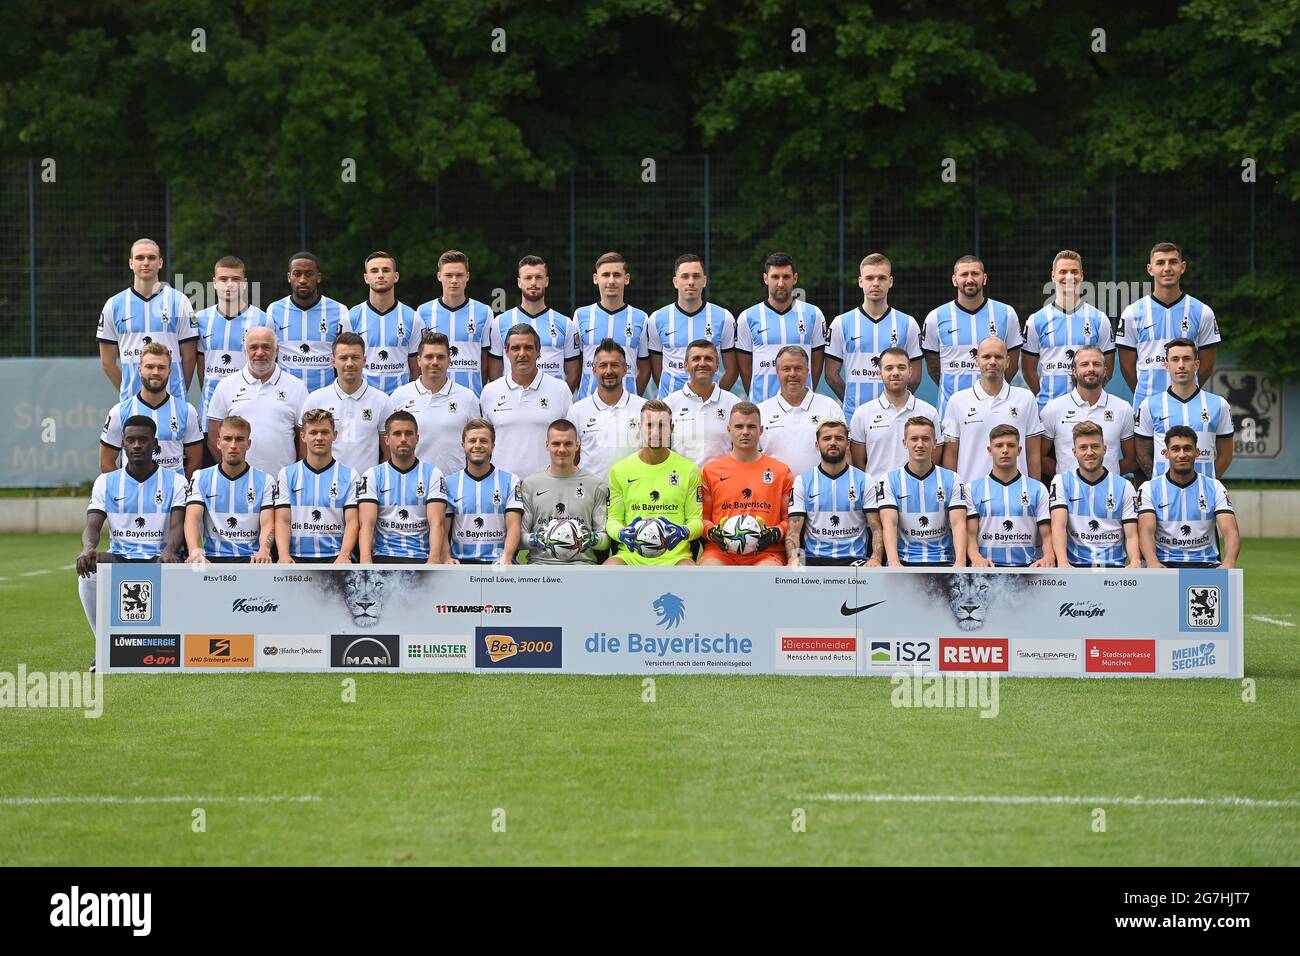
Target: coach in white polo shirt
column 268, row 397
column 791, row 416
column 1088, row 401
column 357, row 407
column 609, row 419
column 973, row 412
column 522, row 404
column 441, row 407
column 876, row 431
column 701, row 408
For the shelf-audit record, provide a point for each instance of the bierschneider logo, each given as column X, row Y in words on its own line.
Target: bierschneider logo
column 135, row 601
column 370, row 650
column 253, row 605
column 1082, row 609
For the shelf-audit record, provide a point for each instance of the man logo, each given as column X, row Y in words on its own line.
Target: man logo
column 1069, row 354
column 315, row 514
column 219, row 646
column 231, row 522
column 1007, row 526
column 135, row 601
column 670, row 608
column 148, row 340
column 377, row 651
column 1094, row 525
column 974, row 353
column 1203, row 606
column 139, row 522
column 654, row 496
column 455, row 350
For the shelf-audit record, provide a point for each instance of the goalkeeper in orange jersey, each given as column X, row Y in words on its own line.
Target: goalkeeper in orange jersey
column 746, row 498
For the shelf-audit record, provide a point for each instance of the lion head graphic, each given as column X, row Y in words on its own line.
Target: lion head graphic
column 670, row 608
column 970, row 597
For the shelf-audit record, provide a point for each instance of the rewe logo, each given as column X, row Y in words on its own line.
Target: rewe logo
column 103, row 909
column 972, row 654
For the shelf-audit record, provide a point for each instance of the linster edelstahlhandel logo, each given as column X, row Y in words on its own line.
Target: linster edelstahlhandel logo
column 365, row 650
column 497, row 647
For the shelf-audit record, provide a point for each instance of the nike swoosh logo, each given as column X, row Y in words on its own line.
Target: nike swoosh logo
column 724, row 478
column 540, row 493
column 633, row 480
column 850, row 611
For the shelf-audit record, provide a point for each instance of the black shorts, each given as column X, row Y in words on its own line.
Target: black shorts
column 471, row 561
column 315, row 560
column 926, row 564
column 229, row 560
column 393, row 559
column 812, row 562
column 1191, row 564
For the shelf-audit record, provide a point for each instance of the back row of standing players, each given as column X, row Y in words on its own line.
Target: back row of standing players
column 355, row 364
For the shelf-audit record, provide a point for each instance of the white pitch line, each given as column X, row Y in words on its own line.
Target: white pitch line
column 1068, row 800
column 1270, row 620
column 39, row 801
column 66, row 567
column 32, row 574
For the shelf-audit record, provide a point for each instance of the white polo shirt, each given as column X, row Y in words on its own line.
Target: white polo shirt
column 880, row 426
column 271, row 407
column 972, row 413
column 440, row 416
column 520, row 414
column 606, row 432
column 357, row 418
column 790, row 431
column 1061, row 414
column 700, row 424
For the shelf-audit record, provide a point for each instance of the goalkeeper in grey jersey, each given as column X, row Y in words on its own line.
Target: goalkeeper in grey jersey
column 564, row 506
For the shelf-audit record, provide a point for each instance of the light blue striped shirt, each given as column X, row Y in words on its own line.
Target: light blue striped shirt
column 138, row 513
column 391, row 339
column 1010, row 517
column 1145, row 327
column 402, row 525
column 924, row 507
column 221, row 345
column 763, row 332
column 477, row 508
column 558, row 332
column 1054, row 335
column 835, row 512
column 1097, row 513
column 317, row 501
column 130, row 321
column 857, row 341
column 671, row 330
column 955, row 334
column 232, row 509
column 627, row 327
column 1186, row 530
column 467, row 328
column 1205, row 413
column 307, row 338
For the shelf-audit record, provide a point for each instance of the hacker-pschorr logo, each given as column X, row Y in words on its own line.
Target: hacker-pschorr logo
column 1203, row 606
column 135, row 601
column 370, row 650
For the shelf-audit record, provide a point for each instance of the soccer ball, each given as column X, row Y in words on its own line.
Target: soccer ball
column 563, row 538
column 740, row 534
column 649, row 538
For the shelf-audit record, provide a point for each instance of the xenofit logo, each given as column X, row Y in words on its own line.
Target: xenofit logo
column 1082, row 609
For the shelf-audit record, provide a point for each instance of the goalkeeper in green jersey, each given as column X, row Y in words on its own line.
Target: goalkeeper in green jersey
column 655, row 499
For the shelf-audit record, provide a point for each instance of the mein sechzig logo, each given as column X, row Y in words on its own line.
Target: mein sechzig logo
column 1192, row 658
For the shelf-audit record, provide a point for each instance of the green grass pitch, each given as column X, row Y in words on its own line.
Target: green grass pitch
column 711, row 772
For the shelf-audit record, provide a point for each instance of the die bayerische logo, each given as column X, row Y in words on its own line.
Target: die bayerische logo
column 670, row 608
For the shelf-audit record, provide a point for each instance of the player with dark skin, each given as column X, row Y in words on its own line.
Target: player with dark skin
column 305, row 279
column 138, row 445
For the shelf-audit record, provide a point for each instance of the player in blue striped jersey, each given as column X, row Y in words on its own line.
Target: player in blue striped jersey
column 1168, row 313
column 483, row 503
column 389, row 328
column 229, row 511
column 1094, row 516
column 829, row 519
column 672, row 329
column 1180, row 511
column 561, row 345
column 613, row 318
column 922, row 506
column 466, row 322
column 149, row 311
column 953, row 332
column 306, row 324
column 859, row 338
column 316, row 499
column 1008, row 523
column 179, row 438
column 222, row 329
column 1056, row 331
column 1184, row 403
column 143, row 506
column 779, row 320
column 401, row 518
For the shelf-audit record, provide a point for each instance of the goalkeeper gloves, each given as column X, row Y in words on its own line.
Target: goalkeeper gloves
column 769, row 537
column 717, row 537
column 674, row 534
column 627, row 536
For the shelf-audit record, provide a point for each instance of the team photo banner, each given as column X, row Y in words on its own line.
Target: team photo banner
column 156, row 618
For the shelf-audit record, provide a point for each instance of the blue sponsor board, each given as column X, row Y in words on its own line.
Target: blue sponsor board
column 501, row 647
column 1204, row 606
column 136, row 597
